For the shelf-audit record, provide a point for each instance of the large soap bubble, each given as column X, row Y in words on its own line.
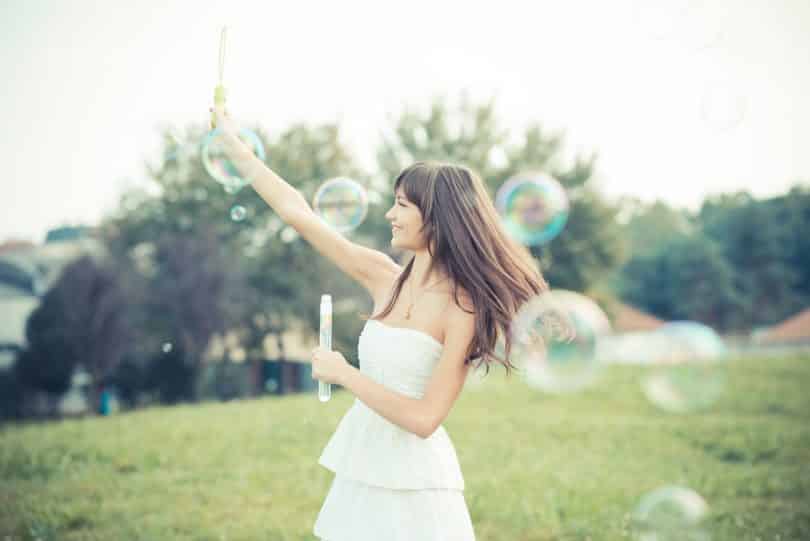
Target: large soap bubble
column 703, row 342
column 554, row 337
column 219, row 165
column 533, row 207
column 342, row 203
column 690, row 372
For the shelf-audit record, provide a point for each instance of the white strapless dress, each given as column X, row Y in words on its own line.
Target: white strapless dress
column 390, row 484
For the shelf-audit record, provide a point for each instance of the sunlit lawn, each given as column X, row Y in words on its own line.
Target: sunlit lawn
column 537, row 466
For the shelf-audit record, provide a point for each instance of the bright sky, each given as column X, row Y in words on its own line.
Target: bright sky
column 680, row 100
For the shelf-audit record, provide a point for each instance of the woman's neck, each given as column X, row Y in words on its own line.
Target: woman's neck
column 419, row 275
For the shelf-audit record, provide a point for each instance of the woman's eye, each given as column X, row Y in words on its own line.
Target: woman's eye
column 401, row 205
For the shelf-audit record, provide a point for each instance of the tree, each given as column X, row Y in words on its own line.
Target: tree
column 758, row 241
column 796, row 217
column 267, row 272
column 83, row 320
column 588, row 248
column 687, row 279
column 649, row 227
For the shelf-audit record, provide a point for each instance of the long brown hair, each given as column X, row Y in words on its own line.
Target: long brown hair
column 466, row 241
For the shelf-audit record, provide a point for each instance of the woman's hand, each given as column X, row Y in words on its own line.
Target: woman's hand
column 228, row 136
column 224, row 122
column 328, row 366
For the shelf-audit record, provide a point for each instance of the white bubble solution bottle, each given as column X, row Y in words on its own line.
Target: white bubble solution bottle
column 324, row 388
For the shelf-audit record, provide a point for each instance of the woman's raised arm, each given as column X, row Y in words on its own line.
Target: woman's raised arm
column 368, row 267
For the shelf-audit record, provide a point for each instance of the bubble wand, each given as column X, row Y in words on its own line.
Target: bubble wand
column 219, row 91
column 324, row 388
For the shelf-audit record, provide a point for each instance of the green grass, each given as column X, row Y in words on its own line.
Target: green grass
column 537, row 466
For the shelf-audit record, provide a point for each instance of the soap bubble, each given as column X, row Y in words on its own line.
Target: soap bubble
column 690, row 372
column 238, row 213
column 219, row 165
column 554, row 338
column 671, row 513
column 342, row 203
column 703, row 341
column 638, row 347
column 533, row 207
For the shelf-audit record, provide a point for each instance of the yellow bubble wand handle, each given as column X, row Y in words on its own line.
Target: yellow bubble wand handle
column 219, row 91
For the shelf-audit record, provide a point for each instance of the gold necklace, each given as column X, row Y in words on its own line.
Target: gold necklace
column 408, row 311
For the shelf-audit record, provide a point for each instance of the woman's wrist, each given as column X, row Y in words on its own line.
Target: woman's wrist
column 241, row 155
column 234, row 147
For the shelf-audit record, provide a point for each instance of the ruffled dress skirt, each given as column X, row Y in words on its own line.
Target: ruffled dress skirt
column 390, row 484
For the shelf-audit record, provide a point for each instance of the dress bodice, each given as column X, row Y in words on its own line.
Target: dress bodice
column 369, row 448
column 399, row 358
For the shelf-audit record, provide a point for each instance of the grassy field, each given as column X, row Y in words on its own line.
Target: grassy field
column 537, row 466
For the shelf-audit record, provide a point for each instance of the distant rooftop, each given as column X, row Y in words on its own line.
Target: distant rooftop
column 630, row 319
column 793, row 329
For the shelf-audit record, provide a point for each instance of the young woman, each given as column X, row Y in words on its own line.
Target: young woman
column 397, row 476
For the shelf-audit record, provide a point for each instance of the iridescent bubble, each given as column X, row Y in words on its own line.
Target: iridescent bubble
column 703, row 342
column 690, row 372
column 554, row 338
column 342, row 203
column 219, row 165
column 671, row 513
column 238, row 213
column 639, row 347
column 533, row 208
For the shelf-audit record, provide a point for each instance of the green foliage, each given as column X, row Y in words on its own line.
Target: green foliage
column 82, row 319
column 259, row 275
column 650, row 227
column 536, row 466
column 760, row 240
column 738, row 263
column 690, row 279
column 589, row 247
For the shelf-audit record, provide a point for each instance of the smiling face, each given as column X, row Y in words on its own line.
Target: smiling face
column 406, row 222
